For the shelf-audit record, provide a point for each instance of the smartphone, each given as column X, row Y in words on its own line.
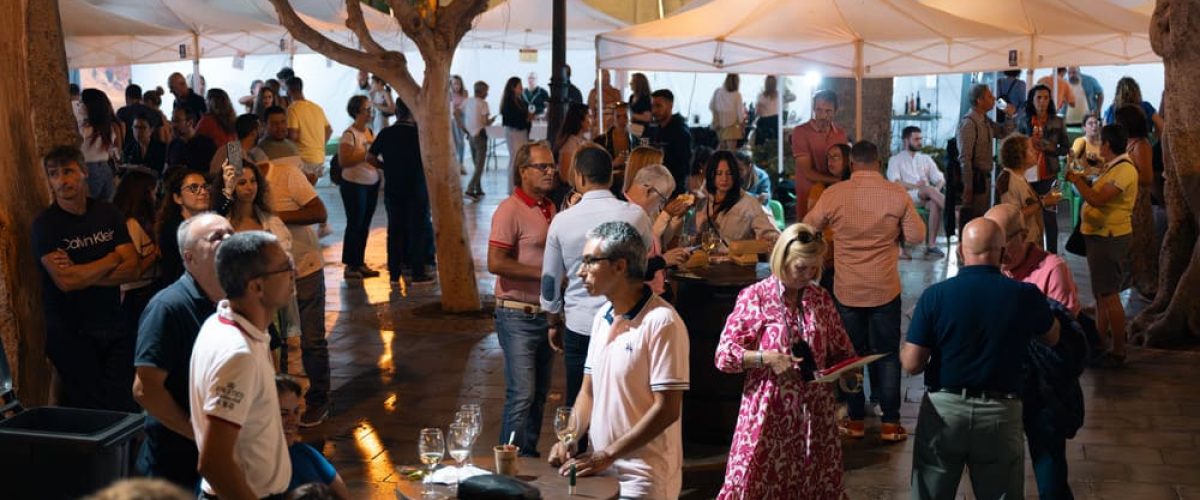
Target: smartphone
column 233, row 154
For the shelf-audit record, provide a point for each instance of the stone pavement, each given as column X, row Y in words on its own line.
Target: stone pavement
column 399, row 365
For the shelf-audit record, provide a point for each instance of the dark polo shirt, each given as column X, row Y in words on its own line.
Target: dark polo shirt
column 977, row 326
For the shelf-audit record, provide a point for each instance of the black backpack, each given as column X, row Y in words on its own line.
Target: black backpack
column 1052, row 374
column 335, row 171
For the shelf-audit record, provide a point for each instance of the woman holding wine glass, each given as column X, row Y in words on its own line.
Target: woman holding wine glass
column 728, row 213
column 786, row 440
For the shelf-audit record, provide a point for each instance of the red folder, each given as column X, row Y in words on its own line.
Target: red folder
column 835, row 372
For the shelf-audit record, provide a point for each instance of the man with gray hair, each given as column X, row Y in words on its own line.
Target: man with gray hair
column 649, row 189
column 562, row 259
column 166, row 333
column 235, row 407
column 976, row 133
column 635, row 375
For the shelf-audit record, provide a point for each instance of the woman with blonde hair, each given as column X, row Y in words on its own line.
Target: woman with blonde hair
column 782, row 331
column 639, row 158
column 1129, row 92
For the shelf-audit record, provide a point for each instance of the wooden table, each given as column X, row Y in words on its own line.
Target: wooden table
column 534, row 471
column 704, row 298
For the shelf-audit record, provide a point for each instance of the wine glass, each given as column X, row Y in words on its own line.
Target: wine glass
column 1056, row 193
column 709, row 240
column 432, row 447
column 477, row 411
column 565, row 425
column 468, row 420
column 459, row 441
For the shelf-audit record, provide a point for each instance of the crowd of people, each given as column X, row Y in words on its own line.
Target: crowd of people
column 208, row 258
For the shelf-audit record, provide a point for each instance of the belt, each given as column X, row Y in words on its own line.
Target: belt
column 968, row 392
column 520, row 306
column 206, row 496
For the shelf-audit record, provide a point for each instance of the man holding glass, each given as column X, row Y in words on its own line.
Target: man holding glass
column 635, row 375
column 515, row 251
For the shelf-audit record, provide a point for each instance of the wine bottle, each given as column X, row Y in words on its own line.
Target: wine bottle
column 919, row 108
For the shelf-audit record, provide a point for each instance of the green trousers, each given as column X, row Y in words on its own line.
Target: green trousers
column 985, row 435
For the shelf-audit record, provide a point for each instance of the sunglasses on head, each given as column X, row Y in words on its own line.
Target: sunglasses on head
column 803, row 237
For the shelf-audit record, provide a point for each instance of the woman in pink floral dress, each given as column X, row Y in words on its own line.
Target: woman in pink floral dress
column 786, row 443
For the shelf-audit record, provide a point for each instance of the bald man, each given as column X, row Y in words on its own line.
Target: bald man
column 1024, row 261
column 968, row 335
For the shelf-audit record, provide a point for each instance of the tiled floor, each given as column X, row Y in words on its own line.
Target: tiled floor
column 400, row 365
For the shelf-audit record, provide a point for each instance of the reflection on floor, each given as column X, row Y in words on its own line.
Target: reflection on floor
column 398, row 367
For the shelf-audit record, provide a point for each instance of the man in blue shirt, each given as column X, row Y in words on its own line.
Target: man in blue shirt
column 166, row 333
column 971, row 332
column 1093, row 96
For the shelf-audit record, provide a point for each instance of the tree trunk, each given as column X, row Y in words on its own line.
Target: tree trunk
column 1174, row 317
column 456, row 266
column 24, row 194
column 877, row 110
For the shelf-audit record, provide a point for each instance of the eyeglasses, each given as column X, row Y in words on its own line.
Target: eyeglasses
column 652, row 189
column 590, row 262
column 196, row 188
column 291, row 268
column 544, row 167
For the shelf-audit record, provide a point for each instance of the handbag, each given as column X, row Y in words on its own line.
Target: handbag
column 731, row 133
column 1075, row 243
column 496, row 487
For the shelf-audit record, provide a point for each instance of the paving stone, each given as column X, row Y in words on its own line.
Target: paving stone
column 1122, row 454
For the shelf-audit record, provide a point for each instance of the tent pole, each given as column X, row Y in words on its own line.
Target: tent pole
column 1032, row 60
column 780, row 90
column 599, row 93
column 195, row 60
column 858, row 76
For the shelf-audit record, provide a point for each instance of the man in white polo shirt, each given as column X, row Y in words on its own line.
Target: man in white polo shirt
column 635, row 375
column 235, row 407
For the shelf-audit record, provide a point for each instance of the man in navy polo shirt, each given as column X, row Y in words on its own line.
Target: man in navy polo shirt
column 166, row 333
column 971, row 332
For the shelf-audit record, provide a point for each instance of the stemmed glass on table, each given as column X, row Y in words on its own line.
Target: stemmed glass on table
column 432, row 447
column 460, row 439
column 565, row 426
column 471, row 416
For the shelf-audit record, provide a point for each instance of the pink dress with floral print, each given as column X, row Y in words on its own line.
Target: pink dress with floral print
column 786, row 443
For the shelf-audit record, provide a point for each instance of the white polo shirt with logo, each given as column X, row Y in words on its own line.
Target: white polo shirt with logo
column 631, row 357
column 233, row 379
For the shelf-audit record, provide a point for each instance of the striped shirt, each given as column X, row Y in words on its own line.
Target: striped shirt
column 867, row 214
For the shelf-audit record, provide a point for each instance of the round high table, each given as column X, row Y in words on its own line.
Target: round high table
column 534, row 471
column 704, row 297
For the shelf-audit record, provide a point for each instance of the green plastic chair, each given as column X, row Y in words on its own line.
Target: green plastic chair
column 777, row 212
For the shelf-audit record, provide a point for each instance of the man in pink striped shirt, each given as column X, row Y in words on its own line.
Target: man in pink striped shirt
column 868, row 214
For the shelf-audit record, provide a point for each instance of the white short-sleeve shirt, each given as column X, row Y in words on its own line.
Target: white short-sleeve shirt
column 912, row 169
column 233, row 379
column 646, row 352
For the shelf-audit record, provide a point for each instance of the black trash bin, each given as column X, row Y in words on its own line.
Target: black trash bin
column 61, row 453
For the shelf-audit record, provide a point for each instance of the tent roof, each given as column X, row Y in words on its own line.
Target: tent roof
column 881, row 37
column 114, row 32
column 516, row 24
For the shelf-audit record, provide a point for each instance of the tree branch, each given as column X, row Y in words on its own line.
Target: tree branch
column 357, row 24
column 389, row 63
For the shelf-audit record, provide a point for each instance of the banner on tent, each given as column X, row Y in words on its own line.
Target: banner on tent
column 528, row 55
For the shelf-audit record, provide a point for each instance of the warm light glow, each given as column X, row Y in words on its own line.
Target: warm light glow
column 370, row 448
column 385, row 359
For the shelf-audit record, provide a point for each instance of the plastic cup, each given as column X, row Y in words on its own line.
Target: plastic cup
column 506, row 459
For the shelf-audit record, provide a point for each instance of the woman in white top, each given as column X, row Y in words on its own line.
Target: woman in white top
column 767, row 108
column 458, row 97
column 729, row 115
column 1016, row 156
column 382, row 105
column 728, row 211
column 103, row 136
column 135, row 199
column 359, row 188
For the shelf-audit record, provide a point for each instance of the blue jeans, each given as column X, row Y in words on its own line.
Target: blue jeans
column 314, row 350
column 409, row 232
column 528, row 361
column 101, row 185
column 1048, row 452
column 575, row 348
column 876, row 330
column 360, row 201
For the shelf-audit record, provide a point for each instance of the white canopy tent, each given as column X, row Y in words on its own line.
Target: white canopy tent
column 882, row 38
column 119, row 32
column 517, row 24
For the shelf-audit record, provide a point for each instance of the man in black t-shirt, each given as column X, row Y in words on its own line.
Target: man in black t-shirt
column 184, row 97
column 86, row 254
column 166, row 333
column 188, row 148
column 672, row 136
column 405, row 196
